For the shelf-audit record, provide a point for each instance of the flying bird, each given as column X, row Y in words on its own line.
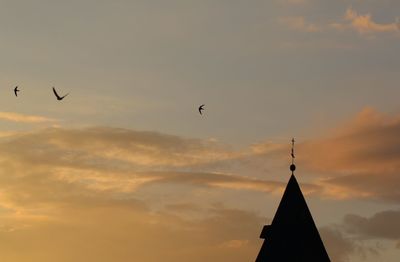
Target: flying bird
column 59, row 98
column 16, row 90
column 201, row 109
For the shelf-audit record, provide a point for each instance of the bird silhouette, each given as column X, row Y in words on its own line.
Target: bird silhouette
column 201, row 109
column 59, row 98
column 16, row 90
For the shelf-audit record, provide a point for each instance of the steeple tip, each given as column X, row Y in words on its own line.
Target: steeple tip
column 292, row 166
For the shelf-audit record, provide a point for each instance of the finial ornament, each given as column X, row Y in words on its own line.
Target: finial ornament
column 293, row 166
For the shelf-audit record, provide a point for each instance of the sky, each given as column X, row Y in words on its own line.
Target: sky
column 126, row 169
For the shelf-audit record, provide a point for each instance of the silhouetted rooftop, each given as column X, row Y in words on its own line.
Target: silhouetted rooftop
column 292, row 236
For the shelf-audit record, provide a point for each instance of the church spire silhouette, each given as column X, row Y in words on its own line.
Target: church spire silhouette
column 292, row 236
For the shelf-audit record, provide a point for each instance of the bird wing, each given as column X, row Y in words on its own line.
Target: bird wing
column 200, row 109
column 64, row 96
column 55, row 93
column 15, row 90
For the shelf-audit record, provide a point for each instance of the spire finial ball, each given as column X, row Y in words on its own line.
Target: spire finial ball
column 292, row 167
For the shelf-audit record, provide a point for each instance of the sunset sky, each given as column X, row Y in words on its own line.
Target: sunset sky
column 125, row 168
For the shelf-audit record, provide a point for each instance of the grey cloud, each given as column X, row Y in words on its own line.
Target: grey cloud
column 338, row 246
column 345, row 247
column 384, row 224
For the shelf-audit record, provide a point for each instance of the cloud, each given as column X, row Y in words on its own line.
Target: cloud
column 234, row 244
column 223, row 181
column 139, row 148
column 385, row 224
column 356, row 160
column 360, row 159
column 122, row 160
column 21, row 118
column 66, row 191
column 344, row 247
column 87, row 184
column 63, row 196
column 293, row 2
column 339, row 247
column 364, row 24
column 299, row 23
column 398, row 23
column 122, row 230
column 112, row 159
column 367, row 142
column 40, row 169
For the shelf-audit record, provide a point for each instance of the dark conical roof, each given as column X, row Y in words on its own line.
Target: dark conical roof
column 292, row 236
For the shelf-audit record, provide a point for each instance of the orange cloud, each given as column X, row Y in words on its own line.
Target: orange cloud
column 364, row 24
column 43, row 168
column 21, row 118
column 140, row 148
column 121, row 160
column 66, row 190
column 58, row 200
column 359, row 159
column 365, row 144
column 125, row 230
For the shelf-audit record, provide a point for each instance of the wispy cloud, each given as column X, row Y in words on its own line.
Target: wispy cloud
column 293, row 2
column 364, row 23
column 299, row 23
column 339, row 247
column 52, row 181
column 57, row 178
column 122, row 160
column 22, row 118
column 123, row 230
column 360, row 158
